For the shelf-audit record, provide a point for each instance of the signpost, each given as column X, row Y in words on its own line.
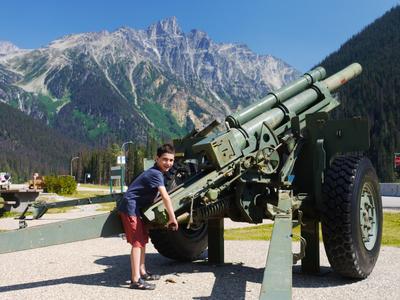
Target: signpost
column 121, row 160
column 117, row 173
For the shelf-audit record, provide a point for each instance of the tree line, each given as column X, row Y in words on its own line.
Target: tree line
column 94, row 165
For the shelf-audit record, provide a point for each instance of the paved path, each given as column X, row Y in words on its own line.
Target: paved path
column 391, row 203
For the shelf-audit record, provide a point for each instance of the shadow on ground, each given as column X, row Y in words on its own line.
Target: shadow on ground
column 230, row 279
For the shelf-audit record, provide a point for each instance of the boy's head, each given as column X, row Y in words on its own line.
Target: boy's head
column 165, row 157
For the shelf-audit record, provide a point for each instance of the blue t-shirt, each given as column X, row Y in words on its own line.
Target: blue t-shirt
column 142, row 191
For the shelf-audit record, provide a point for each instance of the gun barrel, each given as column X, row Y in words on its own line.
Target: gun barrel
column 336, row 80
column 239, row 118
column 295, row 104
column 228, row 146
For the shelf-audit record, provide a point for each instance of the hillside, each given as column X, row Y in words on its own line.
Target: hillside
column 376, row 93
column 27, row 146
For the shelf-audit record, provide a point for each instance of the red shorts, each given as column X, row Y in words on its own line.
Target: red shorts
column 136, row 231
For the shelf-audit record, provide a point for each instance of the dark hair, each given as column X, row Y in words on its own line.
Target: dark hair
column 166, row 148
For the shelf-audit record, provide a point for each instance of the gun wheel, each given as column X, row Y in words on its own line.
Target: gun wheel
column 352, row 216
column 183, row 244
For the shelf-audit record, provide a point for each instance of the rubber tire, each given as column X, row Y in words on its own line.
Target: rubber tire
column 183, row 244
column 340, row 216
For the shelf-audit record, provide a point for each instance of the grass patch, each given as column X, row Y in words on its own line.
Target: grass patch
column 390, row 236
column 391, row 229
column 109, row 206
column 60, row 210
column 88, row 194
column 259, row 232
column 10, row 214
column 13, row 214
column 95, row 186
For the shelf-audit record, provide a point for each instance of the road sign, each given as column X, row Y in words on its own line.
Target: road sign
column 121, row 160
column 116, row 172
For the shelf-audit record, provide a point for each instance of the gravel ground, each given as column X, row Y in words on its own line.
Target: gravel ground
column 99, row 269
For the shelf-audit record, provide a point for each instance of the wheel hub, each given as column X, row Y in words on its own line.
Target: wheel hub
column 369, row 228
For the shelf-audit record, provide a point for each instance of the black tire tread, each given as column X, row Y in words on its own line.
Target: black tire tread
column 161, row 242
column 336, row 217
column 171, row 245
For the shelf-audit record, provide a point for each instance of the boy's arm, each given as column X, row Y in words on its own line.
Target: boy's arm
column 172, row 223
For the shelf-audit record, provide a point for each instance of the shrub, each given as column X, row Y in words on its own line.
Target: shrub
column 63, row 185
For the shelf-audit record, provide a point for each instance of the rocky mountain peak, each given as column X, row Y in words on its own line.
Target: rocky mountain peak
column 6, row 48
column 200, row 39
column 168, row 26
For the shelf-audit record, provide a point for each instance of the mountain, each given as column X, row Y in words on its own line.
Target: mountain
column 28, row 146
column 376, row 92
column 7, row 48
column 104, row 86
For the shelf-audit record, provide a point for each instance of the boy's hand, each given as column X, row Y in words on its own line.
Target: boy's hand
column 172, row 224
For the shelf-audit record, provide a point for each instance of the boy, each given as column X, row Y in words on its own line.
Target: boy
column 141, row 192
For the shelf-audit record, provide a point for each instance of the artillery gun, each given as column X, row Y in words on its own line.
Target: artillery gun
column 282, row 159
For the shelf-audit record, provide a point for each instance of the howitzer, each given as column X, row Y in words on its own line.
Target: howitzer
column 282, row 159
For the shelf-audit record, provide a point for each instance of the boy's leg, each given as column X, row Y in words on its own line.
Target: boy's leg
column 134, row 236
column 135, row 263
column 142, row 260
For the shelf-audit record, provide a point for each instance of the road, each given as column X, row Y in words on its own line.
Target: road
column 391, row 203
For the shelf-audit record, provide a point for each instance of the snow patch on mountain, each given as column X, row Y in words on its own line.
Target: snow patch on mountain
column 7, row 48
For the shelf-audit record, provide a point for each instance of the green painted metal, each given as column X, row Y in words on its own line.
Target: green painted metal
column 83, row 201
column 216, row 240
column 277, row 282
column 182, row 197
column 102, row 225
column 40, row 207
column 122, row 181
column 279, row 96
column 310, row 263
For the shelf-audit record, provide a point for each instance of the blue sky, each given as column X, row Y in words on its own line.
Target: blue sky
column 300, row 32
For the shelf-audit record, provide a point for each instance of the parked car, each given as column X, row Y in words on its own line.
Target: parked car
column 5, row 181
